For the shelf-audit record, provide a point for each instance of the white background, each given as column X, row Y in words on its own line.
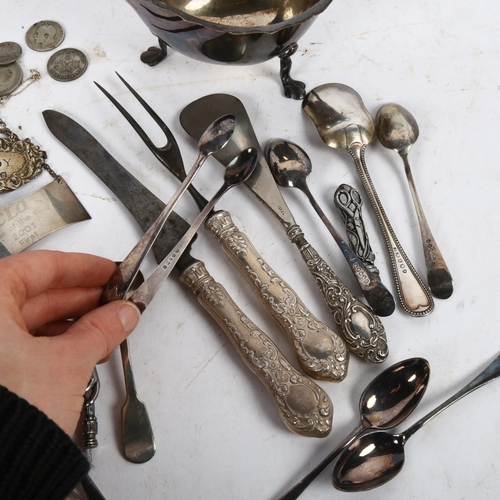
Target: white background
column 218, row 434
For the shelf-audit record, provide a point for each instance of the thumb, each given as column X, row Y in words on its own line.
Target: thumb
column 97, row 333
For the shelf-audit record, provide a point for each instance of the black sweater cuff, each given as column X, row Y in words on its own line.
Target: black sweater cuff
column 37, row 458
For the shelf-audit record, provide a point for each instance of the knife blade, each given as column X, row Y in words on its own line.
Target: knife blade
column 360, row 328
column 289, row 390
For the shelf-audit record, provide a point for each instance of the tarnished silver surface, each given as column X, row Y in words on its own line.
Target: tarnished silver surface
column 303, row 406
column 25, row 221
column 67, row 65
column 11, row 76
column 397, row 129
column 90, row 426
column 9, row 52
column 44, row 36
column 343, row 122
column 360, row 328
column 349, row 202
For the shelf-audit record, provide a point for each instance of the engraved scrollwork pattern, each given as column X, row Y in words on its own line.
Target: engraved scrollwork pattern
column 302, row 405
column 360, row 328
column 20, row 161
column 322, row 353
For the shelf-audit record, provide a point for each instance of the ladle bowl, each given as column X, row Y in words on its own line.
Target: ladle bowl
column 228, row 32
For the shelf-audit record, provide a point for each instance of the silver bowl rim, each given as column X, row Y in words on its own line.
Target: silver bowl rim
column 314, row 10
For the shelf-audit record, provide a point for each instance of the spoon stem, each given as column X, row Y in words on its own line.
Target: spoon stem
column 438, row 275
column 305, row 482
column 413, row 294
column 376, row 294
column 490, row 373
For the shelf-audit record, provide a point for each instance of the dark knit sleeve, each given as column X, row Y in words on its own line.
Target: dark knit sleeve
column 37, row 458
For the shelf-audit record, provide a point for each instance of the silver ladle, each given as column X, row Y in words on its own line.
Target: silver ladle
column 397, row 129
column 238, row 171
column 291, row 166
column 387, row 400
column 343, row 122
column 215, row 137
column 376, row 458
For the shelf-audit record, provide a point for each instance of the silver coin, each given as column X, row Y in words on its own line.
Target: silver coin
column 9, row 52
column 67, row 64
column 44, row 36
column 11, row 76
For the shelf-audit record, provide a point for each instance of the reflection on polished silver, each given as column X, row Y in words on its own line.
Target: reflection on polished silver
column 376, row 458
column 397, row 129
column 303, row 406
column 236, row 173
column 322, row 353
column 360, row 328
column 291, row 166
column 349, row 202
column 343, row 122
column 214, row 138
column 387, row 400
column 90, row 427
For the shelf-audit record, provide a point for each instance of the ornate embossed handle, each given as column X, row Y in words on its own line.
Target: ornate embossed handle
column 361, row 329
column 413, row 294
column 321, row 353
column 303, row 406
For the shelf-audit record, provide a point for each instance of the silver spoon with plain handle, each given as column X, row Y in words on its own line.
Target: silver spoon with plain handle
column 343, row 122
column 376, row 458
column 291, row 166
column 397, row 129
column 387, row 400
column 236, row 172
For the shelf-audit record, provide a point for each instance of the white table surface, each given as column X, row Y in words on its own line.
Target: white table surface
column 217, row 432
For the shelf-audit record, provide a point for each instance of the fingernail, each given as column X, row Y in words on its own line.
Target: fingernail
column 129, row 316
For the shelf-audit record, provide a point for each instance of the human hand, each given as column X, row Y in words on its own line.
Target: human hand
column 47, row 358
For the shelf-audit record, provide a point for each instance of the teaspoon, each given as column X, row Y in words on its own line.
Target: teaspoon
column 397, row 129
column 215, row 137
column 376, row 458
column 290, row 166
column 387, row 400
column 343, row 122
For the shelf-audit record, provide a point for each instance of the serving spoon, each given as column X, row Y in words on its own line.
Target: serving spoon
column 376, row 458
column 238, row 171
column 397, row 129
column 290, row 166
column 387, row 400
column 343, row 122
column 215, row 137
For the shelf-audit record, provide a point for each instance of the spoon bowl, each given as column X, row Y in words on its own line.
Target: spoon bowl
column 291, row 166
column 376, row 458
column 397, row 129
column 387, row 400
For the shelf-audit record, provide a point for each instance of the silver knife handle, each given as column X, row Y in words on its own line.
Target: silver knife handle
column 321, row 353
column 303, row 406
column 361, row 329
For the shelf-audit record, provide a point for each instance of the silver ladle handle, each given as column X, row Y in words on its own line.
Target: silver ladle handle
column 320, row 352
column 413, row 294
column 360, row 328
column 304, row 407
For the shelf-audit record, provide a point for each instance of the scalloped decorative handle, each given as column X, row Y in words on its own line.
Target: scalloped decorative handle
column 303, row 406
column 321, row 352
column 360, row 328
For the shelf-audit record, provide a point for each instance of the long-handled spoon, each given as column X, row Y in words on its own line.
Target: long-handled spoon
column 397, row 129
column 387, row 400
column 291, row 166
column 236, row 172
column 215, row 137
column 343, row 122
column 376, row 458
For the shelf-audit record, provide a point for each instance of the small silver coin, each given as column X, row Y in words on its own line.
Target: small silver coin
column 11, row 76
column 9, row 52
column 44, row 36
column 67, row 64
